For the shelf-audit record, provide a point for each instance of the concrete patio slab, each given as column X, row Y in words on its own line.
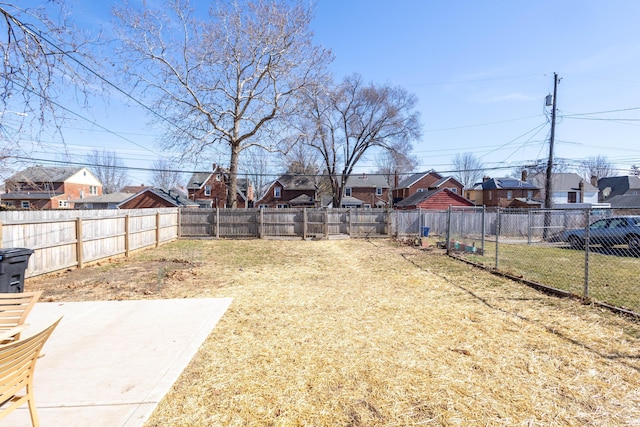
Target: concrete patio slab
column 108, row 363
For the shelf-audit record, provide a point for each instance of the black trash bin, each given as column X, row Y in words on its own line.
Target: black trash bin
column 13, row 264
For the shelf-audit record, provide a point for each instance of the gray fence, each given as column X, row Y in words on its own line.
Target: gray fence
column 295, row 223
column 71, row 238
column 556, row 249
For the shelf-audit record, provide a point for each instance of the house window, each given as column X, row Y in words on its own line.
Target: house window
column 63, row 204
column 347, row 192
column 530, row 194
column 277, row 192
column 509, row 194
column 281, row 206
column 378, row 191
column 218, row 177
column 572, row 197
column 454, row 190
column 263, row 206
column 367, row 206
column 25, row 205
column 93, row 190
column 207, row 190
column 421, row 190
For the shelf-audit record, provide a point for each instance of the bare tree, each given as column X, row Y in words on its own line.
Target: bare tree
column 468, row 169
column 43, row 59
column 395, row 163
column 635, row 170
column 355, row 118
column 598, row 167
column 229, row 80
column 109, row 169
column 165, row 175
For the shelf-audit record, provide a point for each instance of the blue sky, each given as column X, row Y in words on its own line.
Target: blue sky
column 480, row 70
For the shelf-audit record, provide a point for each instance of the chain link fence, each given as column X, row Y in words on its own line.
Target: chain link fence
column 591, row 253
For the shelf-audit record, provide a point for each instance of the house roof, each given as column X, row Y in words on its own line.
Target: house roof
column 105, row 198
column 45, row 174
column 563, row 182
column 625, row 201
column 618, row 185
column 419, row 197
column 198, row 179
column 174, row 197
column 303, row 199
column 31, row 195
column 367, row 181
column 351, row 201
column 412, row 179
column 133, row 188
column 296, row 182
column 445, row 179
column 507, row 184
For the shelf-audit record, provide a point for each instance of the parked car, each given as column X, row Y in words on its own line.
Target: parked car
column 608, row 232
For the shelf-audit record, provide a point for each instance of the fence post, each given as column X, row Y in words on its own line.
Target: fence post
column 127, row 244
column 79, row 242
column 304, row 224
column 586, row 254
column 529, row 227
column 0, row 234
column 484, row 228
column 448, row 242
column 179, row 222
column 498, row 219
column 326, row 223
column 261, row 225
column 217, row 226
column 157, row 229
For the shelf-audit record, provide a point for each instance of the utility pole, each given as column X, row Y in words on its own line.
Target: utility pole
column 547, row 185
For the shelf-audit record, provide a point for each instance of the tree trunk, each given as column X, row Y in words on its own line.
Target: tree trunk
column 232, row 199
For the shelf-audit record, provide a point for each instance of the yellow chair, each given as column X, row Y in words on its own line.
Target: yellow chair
column 14, row 309
column 17, row 366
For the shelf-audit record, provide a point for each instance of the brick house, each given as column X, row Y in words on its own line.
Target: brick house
column 440, row 199
column 423, row 182
column 209, row 189
column 366, row 191
column 510, row 193
column 42, row 187
column 290, row 190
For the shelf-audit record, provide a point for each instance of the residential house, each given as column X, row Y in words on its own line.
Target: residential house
column 289, row 190
column 509, row 193
column 474, row 194
column 439, row 199
column 154, row 197
column 366, row 191
column 45, row 187
column 105, row 201
column 209, row 189
column 423, row 182
column 568, row 190
column 619, row 186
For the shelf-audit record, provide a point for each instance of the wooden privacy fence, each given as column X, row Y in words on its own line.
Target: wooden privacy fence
column 302, row 223
column 63, row 239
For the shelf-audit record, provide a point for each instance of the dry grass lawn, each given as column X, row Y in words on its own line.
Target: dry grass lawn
column 372, row 333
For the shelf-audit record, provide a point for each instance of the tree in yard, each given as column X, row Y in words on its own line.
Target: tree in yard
column 394, row 163
column 164, row 175
column 345, row 122
column 229, row 80
column 109, row 169
column 635, row 170
column 468, row 169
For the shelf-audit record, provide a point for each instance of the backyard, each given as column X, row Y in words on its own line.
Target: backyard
column 362, row 333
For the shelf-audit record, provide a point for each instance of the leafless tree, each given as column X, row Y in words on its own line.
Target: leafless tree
column 598, row 167
column 44, row 58
column 635, row 170
column 395, row 163
column 354, row 118
column 468, row 169
column 229, row 80
column 109, row 169
column 165, row 175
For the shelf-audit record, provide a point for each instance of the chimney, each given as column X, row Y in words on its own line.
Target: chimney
column 214, row 167
column 524, row 175
column 594, row 180
column 485, row 178
column 581, row 191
